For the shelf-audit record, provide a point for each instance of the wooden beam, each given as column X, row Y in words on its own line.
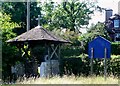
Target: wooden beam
column 54, row 50
column 59, row 51
column 49, row 60
column 59, row 59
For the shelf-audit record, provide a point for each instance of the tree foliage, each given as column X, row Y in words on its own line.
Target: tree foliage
column 8, row 52
column 18, row 12
column 92, row 32
column 48, row 9
column 71, row 15
column 7, row 26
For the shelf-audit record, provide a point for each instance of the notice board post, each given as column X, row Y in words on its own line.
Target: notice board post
column 99, row 48
column 91, row 61
column 105, row 64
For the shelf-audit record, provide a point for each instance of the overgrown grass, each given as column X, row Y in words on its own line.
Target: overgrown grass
column 70, row 80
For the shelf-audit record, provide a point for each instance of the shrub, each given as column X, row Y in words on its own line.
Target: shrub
column 80, row 65
column 115, row 48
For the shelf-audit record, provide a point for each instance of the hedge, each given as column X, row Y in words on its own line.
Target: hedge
column 115, row 48
column 81, row 66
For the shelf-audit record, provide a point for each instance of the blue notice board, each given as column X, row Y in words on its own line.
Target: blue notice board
column 99, row 44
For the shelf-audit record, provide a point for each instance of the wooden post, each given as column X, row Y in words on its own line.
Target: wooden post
column 105, row 64
column 59, row 52
column 49, row 60
column 59, row 59
column 54, row 51
column 91, row 61
column 28, row 15
column 20, row 51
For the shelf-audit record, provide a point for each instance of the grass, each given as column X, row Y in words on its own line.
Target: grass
column 70, row 80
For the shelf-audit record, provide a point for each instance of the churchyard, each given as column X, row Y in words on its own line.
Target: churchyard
column 42, row 43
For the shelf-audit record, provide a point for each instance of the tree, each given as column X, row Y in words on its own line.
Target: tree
column 71, row 15
column 6, row 27
column 98, row 30
column 8, row 52
column 48, row 9
column 18, row 12
column 92, row 32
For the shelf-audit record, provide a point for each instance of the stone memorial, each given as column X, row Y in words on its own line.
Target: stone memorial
column 49, row 68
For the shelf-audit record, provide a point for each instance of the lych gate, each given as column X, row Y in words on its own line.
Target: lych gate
column 43, row 37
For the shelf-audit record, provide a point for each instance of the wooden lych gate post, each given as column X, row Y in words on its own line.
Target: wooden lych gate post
column 53, row 49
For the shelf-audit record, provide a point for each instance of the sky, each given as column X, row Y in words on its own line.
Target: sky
column 109, row 4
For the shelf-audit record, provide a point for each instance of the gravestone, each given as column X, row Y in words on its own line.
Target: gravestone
column 17, row 70
column 20, row 70
column 49, row 67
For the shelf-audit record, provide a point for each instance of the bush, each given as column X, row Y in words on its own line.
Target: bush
column 72, row 66
column 115, row 65
column 115, row 48
column 80, row 65
column 75, row 65
column 68, row 51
